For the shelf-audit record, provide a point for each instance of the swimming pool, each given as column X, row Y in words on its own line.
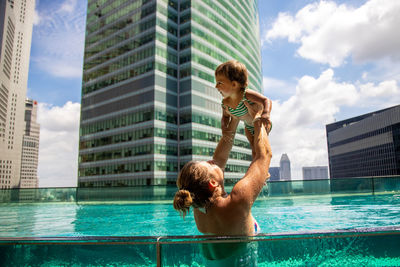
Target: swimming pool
column 350, row 222
column 328, row 230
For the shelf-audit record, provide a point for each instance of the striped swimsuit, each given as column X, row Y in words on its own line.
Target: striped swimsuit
column 241, row 110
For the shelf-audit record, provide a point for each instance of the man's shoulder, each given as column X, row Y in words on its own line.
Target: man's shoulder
column 239, row 195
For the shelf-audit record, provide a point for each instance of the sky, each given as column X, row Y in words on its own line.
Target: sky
column 322, row 61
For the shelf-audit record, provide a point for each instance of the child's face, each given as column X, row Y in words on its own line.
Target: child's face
column 225, row 86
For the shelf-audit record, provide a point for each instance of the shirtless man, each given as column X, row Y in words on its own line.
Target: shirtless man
column 201, row 184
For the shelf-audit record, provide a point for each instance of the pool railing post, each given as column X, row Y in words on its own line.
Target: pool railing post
column 158, row 251
column 373, row 185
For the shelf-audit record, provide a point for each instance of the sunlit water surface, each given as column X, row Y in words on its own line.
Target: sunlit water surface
column 284, row 214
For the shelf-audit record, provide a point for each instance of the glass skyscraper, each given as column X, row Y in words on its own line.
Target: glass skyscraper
column 149, row 102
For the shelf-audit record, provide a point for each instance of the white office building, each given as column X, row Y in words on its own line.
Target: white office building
column 16, row 21
column 30, row 147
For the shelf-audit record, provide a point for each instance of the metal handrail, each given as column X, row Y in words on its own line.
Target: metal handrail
column 198, row 239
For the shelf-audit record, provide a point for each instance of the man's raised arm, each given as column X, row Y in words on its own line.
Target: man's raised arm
column 225, row 144
column 247, row 189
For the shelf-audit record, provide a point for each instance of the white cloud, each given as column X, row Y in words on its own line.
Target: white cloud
column 277, row 88
column 382, row 95
column 60, row 67
column 386, row 89
column 273, row 84
column 317, row 100
column 329, row 33
column 68, row 6
column 299, row 123
column 58, row 39
column 36, row 17
column 58, row 150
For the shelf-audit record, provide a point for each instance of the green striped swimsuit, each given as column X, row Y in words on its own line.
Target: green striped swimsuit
column 241, row 110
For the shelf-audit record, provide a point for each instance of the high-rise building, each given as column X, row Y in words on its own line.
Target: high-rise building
column 285, row 173
column 149, row 102
column 279, row 182
column 315, row 172
column 275, row 174
column 16, row 21
column 315, row 180
column 30, row 147
column 367, row 145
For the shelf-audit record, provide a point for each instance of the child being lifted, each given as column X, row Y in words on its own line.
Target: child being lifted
column 232, row 81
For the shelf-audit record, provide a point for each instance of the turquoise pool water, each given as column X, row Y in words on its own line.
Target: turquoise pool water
column 324, row 230
column 274, row 214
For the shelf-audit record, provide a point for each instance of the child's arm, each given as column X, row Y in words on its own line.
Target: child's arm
column 258, row 98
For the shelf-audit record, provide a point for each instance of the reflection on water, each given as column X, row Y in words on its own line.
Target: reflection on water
column 28, row 220
column 55, row 219
column 131, row 220
column 12, row 221
column 326, row 213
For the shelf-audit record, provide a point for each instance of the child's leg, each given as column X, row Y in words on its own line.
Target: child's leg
column 268, row 123
column 250, row 137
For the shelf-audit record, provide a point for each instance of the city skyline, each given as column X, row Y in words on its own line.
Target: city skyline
column 311, row 79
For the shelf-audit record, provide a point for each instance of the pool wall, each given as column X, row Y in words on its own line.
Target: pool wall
column 365, row 185
column 372, row 247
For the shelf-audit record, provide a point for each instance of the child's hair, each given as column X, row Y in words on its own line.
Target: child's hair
column 234, row 71
column 193, row 187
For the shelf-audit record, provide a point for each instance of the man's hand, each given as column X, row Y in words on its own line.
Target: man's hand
column 265, row 116
column 264, row 113
column 254, row 110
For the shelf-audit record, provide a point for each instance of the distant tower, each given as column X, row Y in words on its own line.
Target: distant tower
column 279, row 183
column 285, row 168
column 275, row 176
column 315, row 180
column 30, row 147
column 314, row 173
column 16, row 23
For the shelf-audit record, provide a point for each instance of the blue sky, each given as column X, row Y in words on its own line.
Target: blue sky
column 322, row 61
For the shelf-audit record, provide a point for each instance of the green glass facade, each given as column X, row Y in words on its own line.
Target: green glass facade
column 149, row 102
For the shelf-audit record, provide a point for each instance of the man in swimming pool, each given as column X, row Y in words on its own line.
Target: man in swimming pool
column 201, row 184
